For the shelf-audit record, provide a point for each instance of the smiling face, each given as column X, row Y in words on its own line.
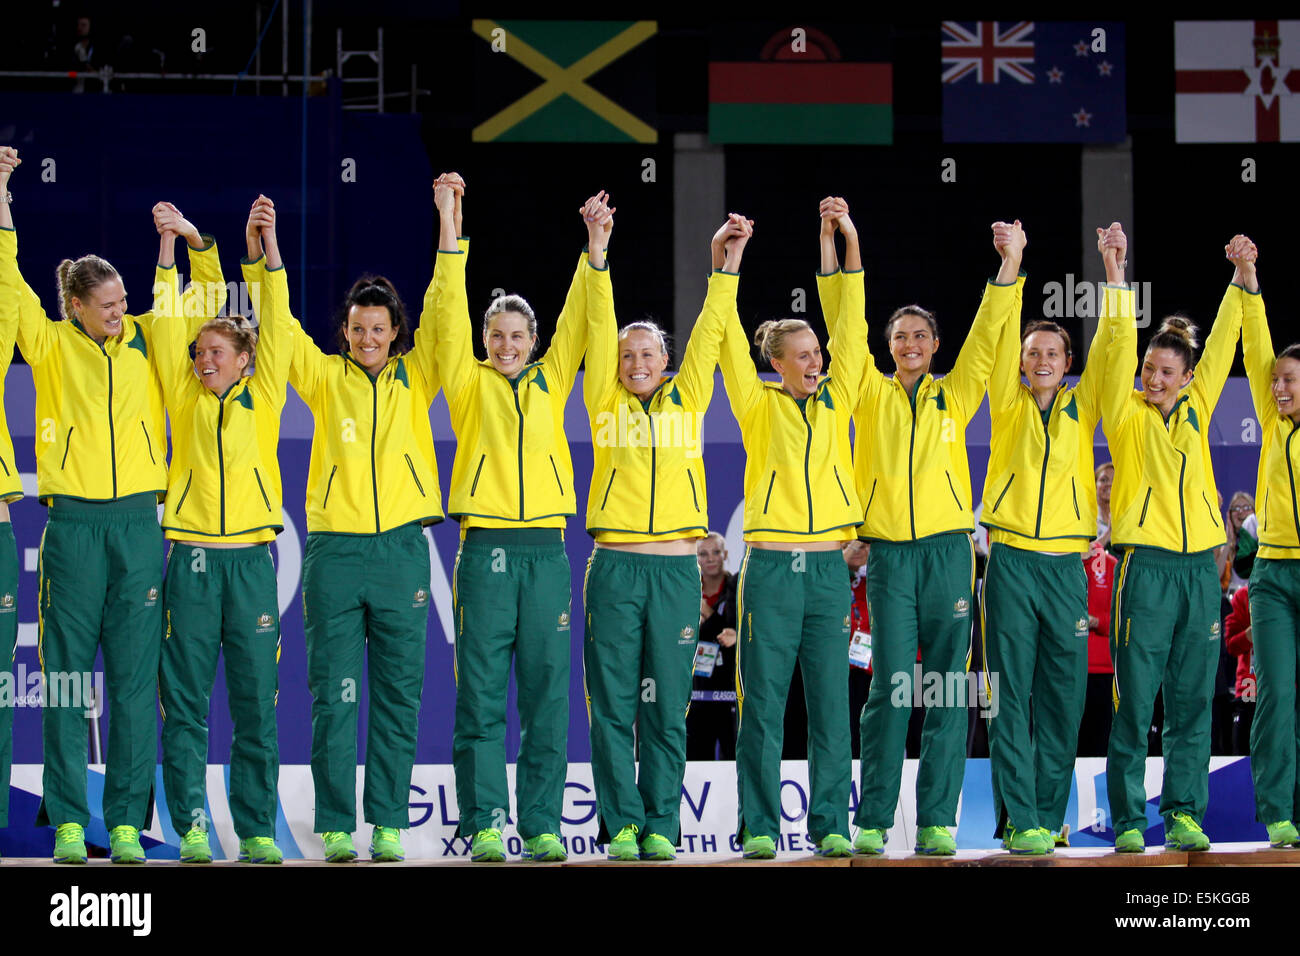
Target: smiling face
column 370, row 333
column 217, row 363
column 1164, row 372
column 912, row 343
column 102, row 309
column 1286, row 387
column 641, row 362
column 508, row 342
column 800, row 364
column 1044, row 360
column 1105, row 478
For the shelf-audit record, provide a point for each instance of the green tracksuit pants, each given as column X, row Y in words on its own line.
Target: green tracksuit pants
column 1164, row 634
column 100, row 586
column 1275, row 734
column 512, row 596
column 350, row 612
column 643, row 615
column 8, row 646
column 917, row 591
column 1036, row 648
column 793, row 605
column 221, row 600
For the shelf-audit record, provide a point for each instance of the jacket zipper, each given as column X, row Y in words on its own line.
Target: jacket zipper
column 262, row 489
column 474, row 487
column 180, row 504
column 1005, row 488
column 1213, row 516
column 870, row 498
column 148, row 443
column 411, row 465
column 607, row 487
column 67, row 446
column 807, row 453
column 556, row 471
column 650, row 527
column 221, row 459
column 1074, row 497
column 112, row 435
column 6, row 468
column 1145, row 501
column 951, row 488
column 841, row 484
column 514, row 388
column 374, row 429
column 695, row 499
column 1182, row 504
column 911, row 448
column 770, row 482
column 1042, row 480
column 1290, row 473
column 328, row 485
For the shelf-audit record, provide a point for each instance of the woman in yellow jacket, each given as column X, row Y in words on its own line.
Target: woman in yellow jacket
column 223, row 509
column 1041, row 514
column 799, row 508
column 10, row 491
column 914, row 482
column 647, row 508
column 1166, row 524
column 512, row 491
column 101, row 443
column 1275, row 580
column 371, row 487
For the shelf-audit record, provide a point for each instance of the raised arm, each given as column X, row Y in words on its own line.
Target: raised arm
column 1256, row 340
column 969, row 377
column 1004, row 379
column 829, row 278
column 1119, row 367
column 169, row 326
column 446, row 302
column 1221, row 344
column 695, row 376
column 35, row 332
column 206, row 294
column 1088, row 393
column 601, row 377
column 423, row 358
column 275, row 324
column 847, row 345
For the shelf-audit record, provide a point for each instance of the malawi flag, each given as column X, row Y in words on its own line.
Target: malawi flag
column 797, row 86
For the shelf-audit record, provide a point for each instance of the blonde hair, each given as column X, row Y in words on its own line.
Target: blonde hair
column 648, row 327
column 238, row 331
column 78, row 279
column 771, row 335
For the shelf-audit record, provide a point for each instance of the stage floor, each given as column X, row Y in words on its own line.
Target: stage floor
column 1224, row 854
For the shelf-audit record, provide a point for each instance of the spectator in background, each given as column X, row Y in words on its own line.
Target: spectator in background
column 1105, row 478
column 1225, row 677
column 1237, row 637
column 1242, row 529
column 711, row 722
column 1099, row 565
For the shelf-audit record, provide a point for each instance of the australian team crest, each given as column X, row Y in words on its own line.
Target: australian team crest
column 421, row 597
column 961, row 608
column 265, row 622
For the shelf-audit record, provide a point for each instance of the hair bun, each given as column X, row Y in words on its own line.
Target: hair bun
column 1182, row 327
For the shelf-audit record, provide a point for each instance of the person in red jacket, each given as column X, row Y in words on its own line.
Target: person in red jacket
column 1237, row 637
column 1098, row 708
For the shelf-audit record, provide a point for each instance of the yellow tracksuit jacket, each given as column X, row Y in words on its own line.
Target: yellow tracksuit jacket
column 372, row 460
column 910, row 456
column 512, row 462
column 648, row 477
column 797, row 454
column 11, row 488
column 1164, row 494
column 224, row 480
column 1279, row 455
column 100, row 427
column 1039, row 493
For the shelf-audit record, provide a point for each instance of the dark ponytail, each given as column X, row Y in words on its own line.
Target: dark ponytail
column 370, row 291
column 1178, row 334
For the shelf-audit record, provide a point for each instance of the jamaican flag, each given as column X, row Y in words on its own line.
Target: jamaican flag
column 801, row 84
column 565, row 81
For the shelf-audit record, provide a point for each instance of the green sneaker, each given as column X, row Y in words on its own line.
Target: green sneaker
column 487, row 847
column 545, row 848
column 195, row 847
column 386, row 845
column 259, row 850
column 338, row 847
column 935, row 841
column 656, row 847
column 1062, row 837
column 623, row 847
column 757, row 847
column 870, row 842
column 1186, row 834
column 834, row 845
column 1034, row 842
column 1130, row 841
column 1283, row 834
column 69, row 843
column 124, row 845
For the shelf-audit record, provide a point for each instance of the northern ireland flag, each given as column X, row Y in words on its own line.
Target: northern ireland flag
column 1236, row 81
